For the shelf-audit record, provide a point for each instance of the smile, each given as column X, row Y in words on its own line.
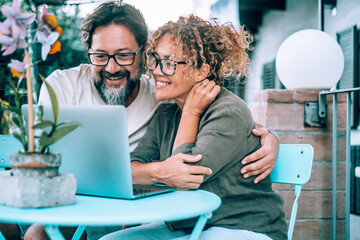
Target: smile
column 158, row 83
column 115, row 82
column 114, row 78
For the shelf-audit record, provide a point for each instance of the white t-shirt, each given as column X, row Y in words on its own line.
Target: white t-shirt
column 75, row 86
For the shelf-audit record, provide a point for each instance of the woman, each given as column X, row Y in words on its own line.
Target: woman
column 189, row 59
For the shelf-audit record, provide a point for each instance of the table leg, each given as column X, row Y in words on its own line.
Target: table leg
column 78, row 233
column 200, row 224
column 53, row 232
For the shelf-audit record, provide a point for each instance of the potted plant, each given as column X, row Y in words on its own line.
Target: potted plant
column 34, row 180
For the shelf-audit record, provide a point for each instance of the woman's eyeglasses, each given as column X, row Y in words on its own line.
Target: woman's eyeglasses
column 167, row 66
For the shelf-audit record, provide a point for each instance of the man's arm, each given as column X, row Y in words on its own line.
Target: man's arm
column 263, row 161
column 173, row 172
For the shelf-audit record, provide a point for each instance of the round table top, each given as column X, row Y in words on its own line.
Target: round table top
column 90, row 210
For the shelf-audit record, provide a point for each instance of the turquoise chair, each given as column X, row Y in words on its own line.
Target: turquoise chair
column 293, row 166
column 8, row 144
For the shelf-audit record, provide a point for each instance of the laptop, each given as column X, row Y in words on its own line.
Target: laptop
column 98, row 153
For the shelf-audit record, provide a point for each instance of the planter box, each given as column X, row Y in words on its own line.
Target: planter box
column 36, row 192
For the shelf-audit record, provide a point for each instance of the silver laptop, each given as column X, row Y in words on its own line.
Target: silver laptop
column 98, row 153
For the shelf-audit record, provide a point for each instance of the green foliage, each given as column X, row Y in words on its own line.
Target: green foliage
column 16, row 120
column 57, row 130
column 72, row 53
column 51, row 131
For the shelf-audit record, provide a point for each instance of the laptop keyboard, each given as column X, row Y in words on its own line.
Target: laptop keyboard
column 142, row 190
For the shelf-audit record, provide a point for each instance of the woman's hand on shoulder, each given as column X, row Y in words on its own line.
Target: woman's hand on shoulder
column 200, row 97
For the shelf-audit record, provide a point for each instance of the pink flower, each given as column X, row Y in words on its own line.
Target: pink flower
column 14, row 27
column 46, row 41
column 16, row 18
column 5, row 27
column 9, row 44
column 17, row 65
column 17, row 68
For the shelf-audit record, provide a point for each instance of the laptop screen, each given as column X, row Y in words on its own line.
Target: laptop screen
column 97, row 153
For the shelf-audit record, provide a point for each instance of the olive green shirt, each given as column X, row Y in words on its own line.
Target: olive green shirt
column 224, row 138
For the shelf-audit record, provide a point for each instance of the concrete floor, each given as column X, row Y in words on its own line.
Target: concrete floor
column 354, row 227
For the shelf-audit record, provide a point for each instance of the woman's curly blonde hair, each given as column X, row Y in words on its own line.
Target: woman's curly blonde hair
column 203, row 42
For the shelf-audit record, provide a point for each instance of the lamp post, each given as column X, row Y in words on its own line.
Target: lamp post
column 321, row 14
column 312, row 59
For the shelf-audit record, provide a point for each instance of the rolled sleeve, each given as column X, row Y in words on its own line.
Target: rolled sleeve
column 184, row 148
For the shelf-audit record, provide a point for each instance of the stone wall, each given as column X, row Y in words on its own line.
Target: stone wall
column 282, row 112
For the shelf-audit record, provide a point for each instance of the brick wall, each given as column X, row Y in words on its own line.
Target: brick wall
column 282, row 112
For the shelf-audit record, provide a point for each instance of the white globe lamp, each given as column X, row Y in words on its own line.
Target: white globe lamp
column 309, row 59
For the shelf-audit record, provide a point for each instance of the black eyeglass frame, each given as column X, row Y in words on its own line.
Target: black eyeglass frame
column 113, row 57
column 159, row 60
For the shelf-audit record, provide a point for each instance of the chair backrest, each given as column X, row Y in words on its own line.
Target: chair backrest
column 8, row 144
column 293, row 166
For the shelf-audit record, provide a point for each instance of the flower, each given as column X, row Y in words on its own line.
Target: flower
column 4, row 104
column 51, row 20
column 46, row 41
column 17, row 32
column 10, row 44
column 14, row 27
column 15, row 17
column 59, row 30
column 56, row 47
column 17, row 68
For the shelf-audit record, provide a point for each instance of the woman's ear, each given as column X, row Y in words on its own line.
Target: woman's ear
column 203, row 72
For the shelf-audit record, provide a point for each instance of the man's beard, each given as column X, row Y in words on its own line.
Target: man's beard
column 116, row 96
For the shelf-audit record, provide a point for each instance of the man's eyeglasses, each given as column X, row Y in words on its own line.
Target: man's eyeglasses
column 122, row 59
column 167, row 66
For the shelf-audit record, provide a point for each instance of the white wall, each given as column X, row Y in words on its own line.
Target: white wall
column 278, row 25
column 299, row 15
column 226, row 11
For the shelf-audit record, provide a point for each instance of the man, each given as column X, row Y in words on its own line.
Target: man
column 116, row 35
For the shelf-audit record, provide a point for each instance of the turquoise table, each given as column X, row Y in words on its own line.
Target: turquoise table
column 94, row 211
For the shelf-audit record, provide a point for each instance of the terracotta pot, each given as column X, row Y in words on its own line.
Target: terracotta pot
column 35, row 165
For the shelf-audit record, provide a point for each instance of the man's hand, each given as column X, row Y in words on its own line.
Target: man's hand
column 264, row 159
column 175, row 172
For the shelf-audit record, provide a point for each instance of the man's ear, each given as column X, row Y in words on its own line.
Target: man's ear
column 203, row 72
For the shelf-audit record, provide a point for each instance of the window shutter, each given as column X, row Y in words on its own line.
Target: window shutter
column 269, row 75
column 270, row 78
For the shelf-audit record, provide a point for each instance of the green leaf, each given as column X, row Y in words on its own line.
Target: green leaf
column 16, row 120
column 54, row 101
column 58, row 134
column 16, row 93
column 18, row 137
column 21, row 139
column 43, row 124
column 13, row 86
column 69, row 123
column 44, row 140
column 22, row 77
